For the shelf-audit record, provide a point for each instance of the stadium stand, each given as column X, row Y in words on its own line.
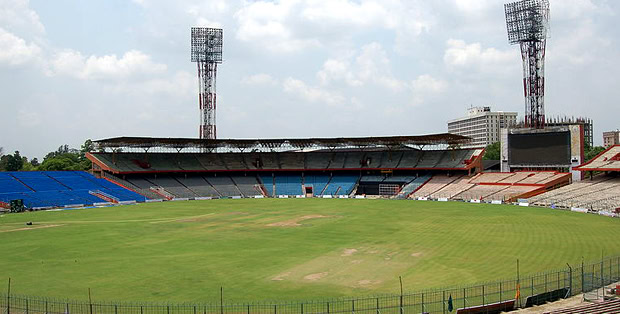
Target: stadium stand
column 318, row 183
column 287, row 184
column 248, row 185
column 433, row 185
column 224, row 185
column 455, row 187
column 40, row 189
column 610, row 306
column 199, row 186
column 596, row 194
column 341, row 184
column 413, row 185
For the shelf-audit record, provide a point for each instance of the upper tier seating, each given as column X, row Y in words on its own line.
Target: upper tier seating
column 319, row 160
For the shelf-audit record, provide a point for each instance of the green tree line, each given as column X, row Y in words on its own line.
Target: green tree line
column 64, row 158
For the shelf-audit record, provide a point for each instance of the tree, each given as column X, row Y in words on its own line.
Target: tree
column 34, row 162
column 591, row 152
column 492, row 152
column 14, row 162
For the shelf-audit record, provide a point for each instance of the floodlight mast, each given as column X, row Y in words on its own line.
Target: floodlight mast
column 527, row 22
column 207, row 53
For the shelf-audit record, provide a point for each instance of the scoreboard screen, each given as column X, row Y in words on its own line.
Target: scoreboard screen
column 539, row 149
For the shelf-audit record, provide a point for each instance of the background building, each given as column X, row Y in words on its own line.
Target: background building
column 611, row 138
column 586, row 123
column 482, row 125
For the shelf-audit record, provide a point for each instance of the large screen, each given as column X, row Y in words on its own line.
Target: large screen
column 539, row 149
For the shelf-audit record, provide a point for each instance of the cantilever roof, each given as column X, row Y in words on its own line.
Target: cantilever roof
column 608, row 160
column 180, row 143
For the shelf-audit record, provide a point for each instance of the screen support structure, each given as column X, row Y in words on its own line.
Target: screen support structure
column 206, row 45
column 527, row 22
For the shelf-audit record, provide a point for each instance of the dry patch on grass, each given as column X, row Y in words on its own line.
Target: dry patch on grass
column 348, row 252
column 31, row 228
column 367, row 282
column 416, row 254
column 281, row 277
column 315, row 277
column 295, row 222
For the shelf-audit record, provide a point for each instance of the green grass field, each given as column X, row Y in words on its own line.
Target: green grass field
column 285, row 249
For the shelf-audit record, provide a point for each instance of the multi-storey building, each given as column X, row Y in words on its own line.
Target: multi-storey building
column 482, row 125
column 611, row 138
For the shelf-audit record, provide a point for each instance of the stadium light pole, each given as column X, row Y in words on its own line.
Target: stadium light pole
column 206, row 51
column 527, row 22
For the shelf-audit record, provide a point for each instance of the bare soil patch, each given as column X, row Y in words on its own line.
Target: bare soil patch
column 416, row 254
column 32, row 228
column 315, row 277
column 281, row 277
column 348, row 252
column 366, row 282
column 295, row 222
column 357, row 261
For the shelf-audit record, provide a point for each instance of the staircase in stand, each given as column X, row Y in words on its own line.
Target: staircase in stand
column 161, row 192
column 104, row 196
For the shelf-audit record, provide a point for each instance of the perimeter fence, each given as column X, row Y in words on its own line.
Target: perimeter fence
column 485, row 298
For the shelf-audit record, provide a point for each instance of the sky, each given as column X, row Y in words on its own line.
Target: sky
column 72, row 70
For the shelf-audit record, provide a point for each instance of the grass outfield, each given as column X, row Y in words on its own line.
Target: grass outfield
column 284, row 249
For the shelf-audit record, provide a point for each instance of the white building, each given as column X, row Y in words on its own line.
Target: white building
column 482, row 125
column 611, row 138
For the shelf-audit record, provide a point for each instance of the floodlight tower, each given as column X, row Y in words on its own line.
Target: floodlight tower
column 207, row 53
column 527, row 22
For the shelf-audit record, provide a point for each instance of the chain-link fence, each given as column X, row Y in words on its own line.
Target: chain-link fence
column 487, row 297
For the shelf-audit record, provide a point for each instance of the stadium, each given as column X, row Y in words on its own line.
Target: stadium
column 377, row 224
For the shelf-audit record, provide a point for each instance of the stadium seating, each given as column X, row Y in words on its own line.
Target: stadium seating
column 457, row 186
column 224, row 185
column 248, row 185
column 341, row 184
column 433, row 185
column 199, row 186
column 319, row 160
column 413, row 185
column 597, row 195
column 288, row 184
column 318, row 182
column 409, row 159
column 391, row 159
column 609, row 306
column 60, row 188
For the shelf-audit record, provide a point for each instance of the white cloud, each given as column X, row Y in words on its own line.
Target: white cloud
column 17, row 16
column 459, row 54
column 311, row 94
column 73, row 63
column 370, row 66
column 292, row 25
column 425, row 86
column 15, row 51
column 259, row 79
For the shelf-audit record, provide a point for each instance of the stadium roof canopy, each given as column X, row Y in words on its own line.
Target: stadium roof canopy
column 608, row 160
column 146, row 143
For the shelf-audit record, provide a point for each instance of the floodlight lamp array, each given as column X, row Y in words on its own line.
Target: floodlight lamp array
column 527, row 20
column 207, row 44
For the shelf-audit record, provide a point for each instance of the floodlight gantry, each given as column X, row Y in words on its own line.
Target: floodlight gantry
column 527, row 22
column 206, row 45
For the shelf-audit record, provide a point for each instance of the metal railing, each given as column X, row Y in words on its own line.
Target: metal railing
column 533, row 289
